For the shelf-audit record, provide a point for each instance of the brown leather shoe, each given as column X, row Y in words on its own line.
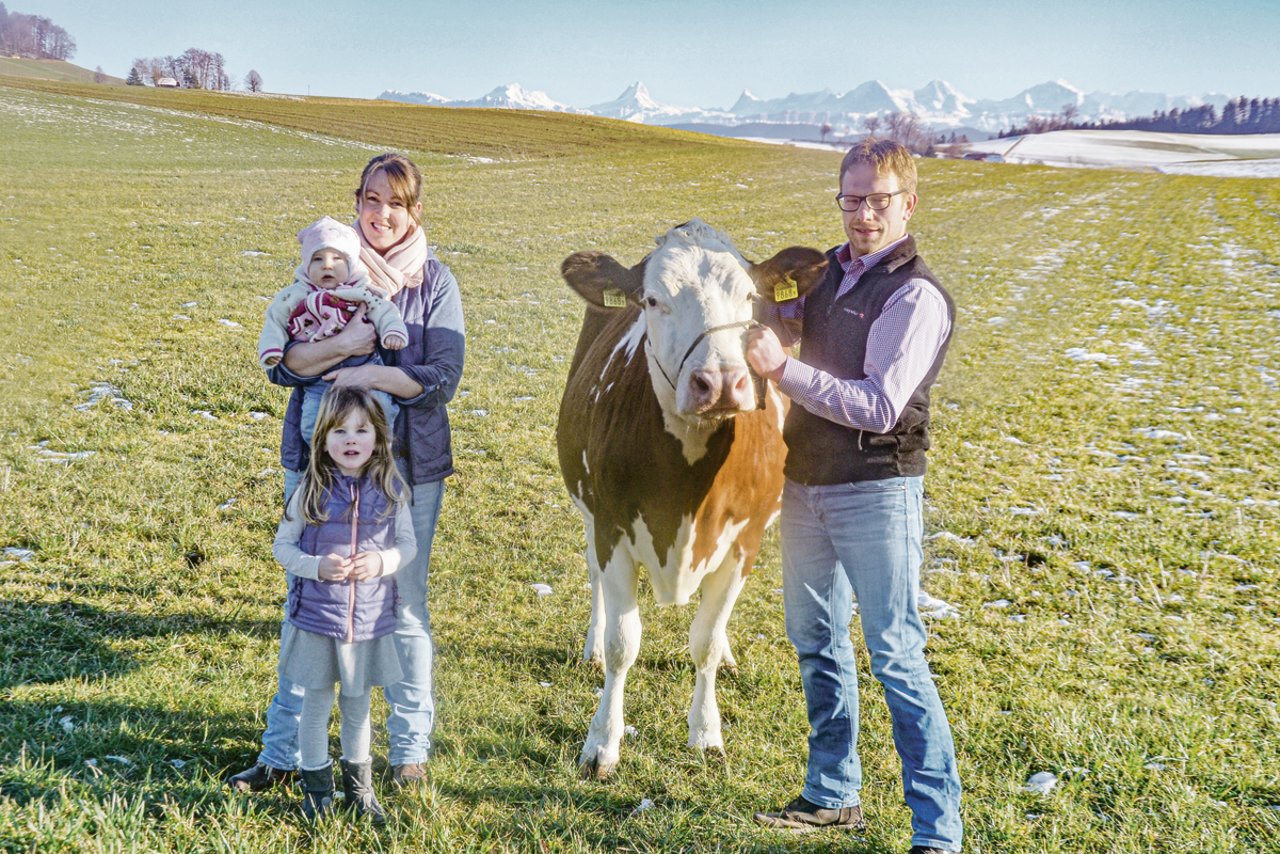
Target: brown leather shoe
column 802, row 814
column 406, row 776
column 261, row 776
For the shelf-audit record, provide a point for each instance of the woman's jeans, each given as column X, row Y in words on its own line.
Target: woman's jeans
column 412, row 708
column 864, row 540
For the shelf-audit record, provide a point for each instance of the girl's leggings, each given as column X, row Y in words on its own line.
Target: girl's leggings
column 313, row 727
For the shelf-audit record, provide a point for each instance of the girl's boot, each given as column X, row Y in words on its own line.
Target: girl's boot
column 357, row 786
column 317, row 792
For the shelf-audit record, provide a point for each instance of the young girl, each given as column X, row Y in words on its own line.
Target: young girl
column 345, row 531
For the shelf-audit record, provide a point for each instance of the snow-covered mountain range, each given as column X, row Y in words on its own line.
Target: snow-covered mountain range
column 938, row 104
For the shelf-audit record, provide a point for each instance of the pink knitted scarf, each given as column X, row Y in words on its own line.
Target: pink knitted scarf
column 401, row 267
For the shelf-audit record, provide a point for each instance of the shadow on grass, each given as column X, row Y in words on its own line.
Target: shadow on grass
column 675, row 824
column 166, row 750
column 42, row 642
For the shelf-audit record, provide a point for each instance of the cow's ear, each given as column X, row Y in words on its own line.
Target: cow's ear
column 601, row 280
column 791, row 273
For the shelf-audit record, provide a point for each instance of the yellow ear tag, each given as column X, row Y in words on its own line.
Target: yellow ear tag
column 614, row 298
column 786, row 290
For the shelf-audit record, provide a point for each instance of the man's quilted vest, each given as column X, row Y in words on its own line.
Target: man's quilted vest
column 835, row 340
column 358, row 521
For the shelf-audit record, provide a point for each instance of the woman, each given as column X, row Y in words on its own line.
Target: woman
column 422, row 378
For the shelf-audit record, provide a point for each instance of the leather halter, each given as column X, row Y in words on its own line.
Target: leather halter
column 756, row 379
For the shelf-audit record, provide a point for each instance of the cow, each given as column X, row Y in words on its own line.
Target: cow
column 670, row 452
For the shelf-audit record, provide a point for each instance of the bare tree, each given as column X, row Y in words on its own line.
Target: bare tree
column 253, row 81
column 825, row 131
column 906, row 130
column 203, row 69
column 58, row 43
column 872, row 124
column 99, row 76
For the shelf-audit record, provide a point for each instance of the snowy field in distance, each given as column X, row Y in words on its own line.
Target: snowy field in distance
column 1226, row 155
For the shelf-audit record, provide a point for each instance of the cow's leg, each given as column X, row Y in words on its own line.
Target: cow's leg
column 709, row 645
column 621, row 643
column 593, row 649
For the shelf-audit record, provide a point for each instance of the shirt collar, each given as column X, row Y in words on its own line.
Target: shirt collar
column 844, row 254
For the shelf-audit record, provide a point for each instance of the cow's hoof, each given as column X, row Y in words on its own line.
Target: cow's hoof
column 707, row 744
column 593, row 764
column 728, row 663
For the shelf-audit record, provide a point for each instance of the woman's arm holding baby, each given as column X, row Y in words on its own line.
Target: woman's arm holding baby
column 357, row 338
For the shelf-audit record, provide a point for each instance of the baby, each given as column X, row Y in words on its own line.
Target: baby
column 329, row 287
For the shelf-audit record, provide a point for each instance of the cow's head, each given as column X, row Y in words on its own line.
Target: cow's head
column 697, row 297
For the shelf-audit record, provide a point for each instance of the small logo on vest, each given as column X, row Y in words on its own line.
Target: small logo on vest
column 855, row 313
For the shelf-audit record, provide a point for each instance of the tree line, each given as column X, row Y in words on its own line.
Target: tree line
column 1239, row 115
column 194, row 68
column 33, row 37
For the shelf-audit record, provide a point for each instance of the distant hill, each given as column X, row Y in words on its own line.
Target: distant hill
column 484, row 133
column 50, row 69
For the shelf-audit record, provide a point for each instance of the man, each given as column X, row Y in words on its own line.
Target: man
column 874, row 333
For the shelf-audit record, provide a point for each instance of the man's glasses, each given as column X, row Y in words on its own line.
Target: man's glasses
column 875, row 201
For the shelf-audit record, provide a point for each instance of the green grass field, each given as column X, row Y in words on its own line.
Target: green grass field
column 1102, row 498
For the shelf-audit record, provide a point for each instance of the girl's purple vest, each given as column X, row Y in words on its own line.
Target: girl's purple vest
column 350, row 611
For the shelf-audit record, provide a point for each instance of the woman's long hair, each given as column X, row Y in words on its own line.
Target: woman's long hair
column 322, row 470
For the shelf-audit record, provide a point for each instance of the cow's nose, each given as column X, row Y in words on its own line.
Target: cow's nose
column 719, row 389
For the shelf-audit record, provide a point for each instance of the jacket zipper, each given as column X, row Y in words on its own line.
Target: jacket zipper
column 351, row 583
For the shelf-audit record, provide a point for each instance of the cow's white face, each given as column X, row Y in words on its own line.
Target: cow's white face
column 697, row 281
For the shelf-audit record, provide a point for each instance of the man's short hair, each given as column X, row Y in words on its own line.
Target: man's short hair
column 888, row 158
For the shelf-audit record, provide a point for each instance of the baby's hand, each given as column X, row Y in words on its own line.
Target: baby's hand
column 366, row 565
column 334, row 567
column 394, row 341
column 271, row 361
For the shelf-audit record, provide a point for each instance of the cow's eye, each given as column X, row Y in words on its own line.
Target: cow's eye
column 651, row 301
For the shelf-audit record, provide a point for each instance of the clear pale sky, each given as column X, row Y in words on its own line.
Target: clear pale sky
column 692, row 52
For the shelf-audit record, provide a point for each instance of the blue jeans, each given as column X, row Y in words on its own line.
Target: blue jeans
column 864, row 539
column 311, row 397
column 411, row 705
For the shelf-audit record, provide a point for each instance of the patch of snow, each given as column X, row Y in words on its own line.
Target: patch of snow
column 61, row 457
column 930, row 606
column 1080, row 354
column 644, row 806
column 99, row 392
column 948, row 536
column 1160, row 434
column 1041, row 782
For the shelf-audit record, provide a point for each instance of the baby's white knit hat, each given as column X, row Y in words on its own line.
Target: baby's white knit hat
column 328, row 233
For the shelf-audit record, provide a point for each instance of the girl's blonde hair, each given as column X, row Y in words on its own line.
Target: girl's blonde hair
column 322, row 470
